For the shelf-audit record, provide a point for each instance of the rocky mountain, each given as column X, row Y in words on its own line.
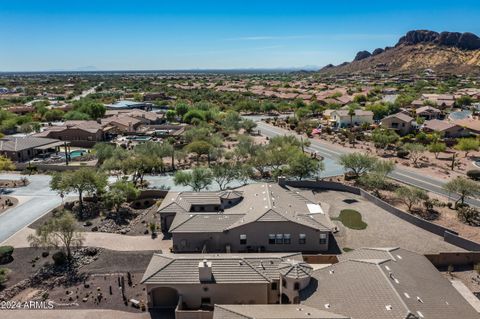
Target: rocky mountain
column 445, row 52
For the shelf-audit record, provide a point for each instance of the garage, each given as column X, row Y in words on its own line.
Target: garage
column 164, row 297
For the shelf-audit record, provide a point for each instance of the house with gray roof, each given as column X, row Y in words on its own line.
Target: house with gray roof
column 21, row 149
column 400, row 122
column 387, row 283
column 199, row 281
column 271, row 312
column 253, row 218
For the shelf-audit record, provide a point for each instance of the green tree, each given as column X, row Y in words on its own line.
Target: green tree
column 58, row 232
column 462, row 187
column 225, row 173
column 302, row 166
column 467, row 145
column 248, row 125
column 119, row 193
column 181, row 109
column 199, row 148
column 199, row 178
column 171, row 115
column 103, row 151
column 358, row 163
column 6, row 164
column 382, row 138
column 410, row 196
column 415, row 150
column 83, row 180
column 436, row 148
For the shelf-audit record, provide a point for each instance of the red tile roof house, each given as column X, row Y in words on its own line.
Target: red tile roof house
column 445, row 128
column 400, row 122
column 78, row 133
column 428, row 112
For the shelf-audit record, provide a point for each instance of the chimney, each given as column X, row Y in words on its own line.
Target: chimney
column 282, row 181
column 205, row 271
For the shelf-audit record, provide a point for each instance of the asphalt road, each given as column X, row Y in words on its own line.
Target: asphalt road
column 332, row 153
column 35, row 200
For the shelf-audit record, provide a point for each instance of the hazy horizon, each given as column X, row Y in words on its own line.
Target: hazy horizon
column 153, row 35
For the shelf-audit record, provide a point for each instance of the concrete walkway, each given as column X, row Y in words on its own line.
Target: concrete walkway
column 72, row 314
column 467, row 294
column 102, row 240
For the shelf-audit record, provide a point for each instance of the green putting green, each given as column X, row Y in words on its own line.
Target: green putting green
column 351, row 219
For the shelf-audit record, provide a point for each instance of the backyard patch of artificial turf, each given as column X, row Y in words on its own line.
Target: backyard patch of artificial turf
column 351, row 219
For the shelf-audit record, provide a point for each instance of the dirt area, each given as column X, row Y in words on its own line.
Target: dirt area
column 442, row 216
column 9, row 183
column 132, row 222
column 469, row 277
column 26, row 261
column 7, row 202
column 97, row 285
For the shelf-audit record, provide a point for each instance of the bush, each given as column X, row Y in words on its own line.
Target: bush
column 474, row 174
column 59, row 258
column 402, row 153
column 6, row 254
column 45, row 254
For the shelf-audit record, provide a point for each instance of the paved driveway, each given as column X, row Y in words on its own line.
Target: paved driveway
column 35, row 200
column 383, row 230
column 103, row 240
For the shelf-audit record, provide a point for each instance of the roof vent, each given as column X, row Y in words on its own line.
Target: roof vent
column 419, row 299
column 332, row 272
column 327, row 306
column 388, row 307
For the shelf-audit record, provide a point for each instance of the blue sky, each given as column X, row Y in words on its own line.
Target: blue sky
column 135, row 35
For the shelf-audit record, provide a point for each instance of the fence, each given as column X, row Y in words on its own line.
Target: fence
column 449, row 235
column 454, row 259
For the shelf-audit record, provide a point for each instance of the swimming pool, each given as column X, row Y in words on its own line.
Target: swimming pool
column 139, row 138
column 76, row 153
column 460, row 115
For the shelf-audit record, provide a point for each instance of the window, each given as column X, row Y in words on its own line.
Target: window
column 302, row 239
column 243, row 239
column 323, row 239
column 271, row 239
column 206, row 301
column 286, row 239
column 279, row 239
column 274, row 286
column 296, row 286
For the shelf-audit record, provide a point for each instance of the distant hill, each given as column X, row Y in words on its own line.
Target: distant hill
column 445, row 52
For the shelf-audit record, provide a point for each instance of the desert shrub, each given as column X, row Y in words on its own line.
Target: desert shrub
column 59, row 258
column 474, row 174
column 45, row 254
column 402, row 153
column 6, row 254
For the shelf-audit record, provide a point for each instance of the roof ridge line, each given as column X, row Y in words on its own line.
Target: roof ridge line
column 256, row 270
column 394, row 289
column 183, row 222
column 161, row 268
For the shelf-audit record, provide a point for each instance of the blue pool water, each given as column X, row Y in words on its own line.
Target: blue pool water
column 460, row 115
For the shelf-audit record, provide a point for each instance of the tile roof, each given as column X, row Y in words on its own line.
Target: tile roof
column 385, row 283
column 401, row 116
column 226, row 268
column 438, row 125
column 271, row 312
column 15, row 144
column 260, row 202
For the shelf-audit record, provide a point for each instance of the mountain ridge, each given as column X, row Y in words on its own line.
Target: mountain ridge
column 417, row 50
